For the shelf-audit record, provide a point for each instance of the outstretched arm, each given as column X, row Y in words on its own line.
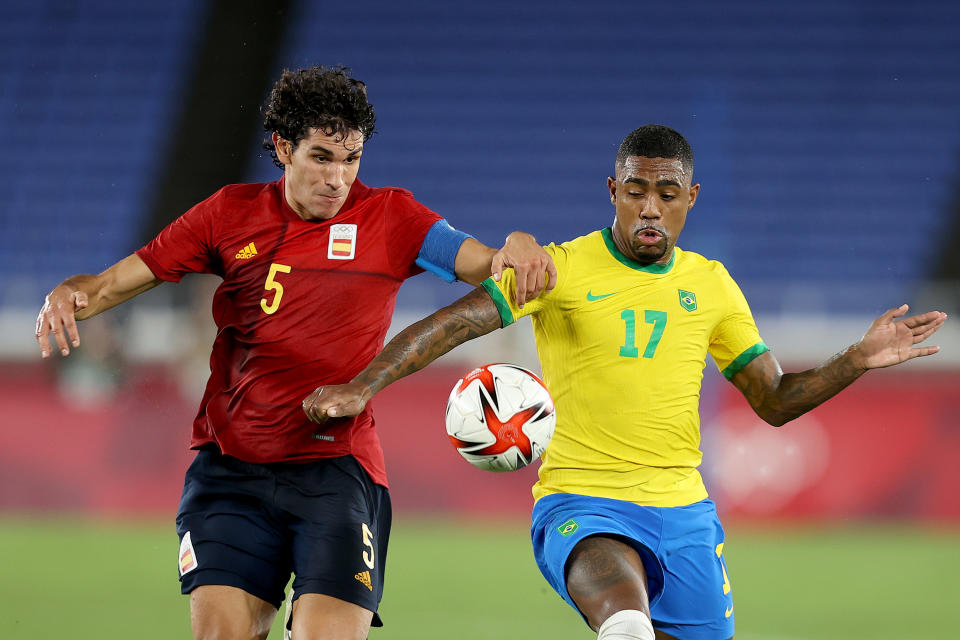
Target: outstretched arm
column 412, row 349
column 82, row 296
column 778, row 397
column 534, row 268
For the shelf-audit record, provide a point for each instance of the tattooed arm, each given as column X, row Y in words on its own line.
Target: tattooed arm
column 412, row 349
column 779, row 398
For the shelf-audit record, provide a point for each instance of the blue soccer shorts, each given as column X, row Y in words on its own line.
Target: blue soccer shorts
column 250, row 525
column 681, row 549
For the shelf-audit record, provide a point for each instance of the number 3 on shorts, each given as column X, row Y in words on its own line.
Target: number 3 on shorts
column 723, row 567
column 367, row 542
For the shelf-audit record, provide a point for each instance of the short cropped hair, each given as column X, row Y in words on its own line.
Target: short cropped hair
column 325, row 98
column 656, row 141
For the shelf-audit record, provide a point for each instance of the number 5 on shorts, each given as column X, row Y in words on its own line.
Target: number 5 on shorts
column 368, row 558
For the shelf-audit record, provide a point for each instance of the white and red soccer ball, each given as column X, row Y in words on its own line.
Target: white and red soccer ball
column 500, row 417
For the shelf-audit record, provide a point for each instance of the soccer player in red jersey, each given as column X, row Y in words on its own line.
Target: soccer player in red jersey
column 311, row 265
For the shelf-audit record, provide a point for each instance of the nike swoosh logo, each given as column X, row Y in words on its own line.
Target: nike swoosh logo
column 728, row 612
column 592, row 297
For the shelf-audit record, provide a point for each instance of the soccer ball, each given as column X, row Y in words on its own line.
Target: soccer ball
column 500, row 417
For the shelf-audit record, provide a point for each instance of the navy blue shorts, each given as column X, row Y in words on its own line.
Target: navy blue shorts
column 250, row 525
column 681, row 549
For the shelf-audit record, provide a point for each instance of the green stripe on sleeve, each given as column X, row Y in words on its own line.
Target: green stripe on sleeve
column 506, row 314
column 744, row 359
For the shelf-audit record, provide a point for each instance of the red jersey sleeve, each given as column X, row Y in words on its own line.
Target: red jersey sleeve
column 185, row 245
column 407, row 223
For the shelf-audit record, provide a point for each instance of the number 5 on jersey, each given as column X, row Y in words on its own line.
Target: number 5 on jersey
column 272, row 285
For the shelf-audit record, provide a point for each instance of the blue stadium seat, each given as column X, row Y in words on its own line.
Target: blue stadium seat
column 90, row 90
column 825, row 132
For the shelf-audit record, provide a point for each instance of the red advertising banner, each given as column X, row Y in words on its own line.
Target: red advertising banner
column 885, row 447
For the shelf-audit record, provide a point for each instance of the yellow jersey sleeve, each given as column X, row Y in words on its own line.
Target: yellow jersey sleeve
column 735, row 341
column 502, row 292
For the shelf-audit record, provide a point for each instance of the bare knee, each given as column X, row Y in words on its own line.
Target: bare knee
column 227, row 613
column 226, row 627
column 320, row 617
column 606, row 575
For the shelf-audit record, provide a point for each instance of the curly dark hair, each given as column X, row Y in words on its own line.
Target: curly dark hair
column 656, row 141
column 325, row 98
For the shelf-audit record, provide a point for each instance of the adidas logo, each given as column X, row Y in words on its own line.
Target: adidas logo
column 247, row 252
column 364, row 578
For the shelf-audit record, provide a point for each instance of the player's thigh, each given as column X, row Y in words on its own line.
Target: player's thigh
column 218, row 611
column 230, row 533
column 562, row 522
column 320, row 617
column 697, row 602
column 340, row 520
column 605, row 575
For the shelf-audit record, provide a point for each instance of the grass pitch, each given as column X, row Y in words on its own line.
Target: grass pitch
column 73, row 578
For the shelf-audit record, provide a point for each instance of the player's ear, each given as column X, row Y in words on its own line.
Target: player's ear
column 283, row 148
column 612, row 187
column 694, row 190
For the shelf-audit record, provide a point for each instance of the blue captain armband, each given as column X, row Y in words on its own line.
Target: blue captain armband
column 438, row 254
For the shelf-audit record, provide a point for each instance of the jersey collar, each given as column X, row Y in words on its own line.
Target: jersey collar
column 358, row 191
column 607, row 234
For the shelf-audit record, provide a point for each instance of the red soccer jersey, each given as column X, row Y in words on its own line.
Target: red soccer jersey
column 302, row 304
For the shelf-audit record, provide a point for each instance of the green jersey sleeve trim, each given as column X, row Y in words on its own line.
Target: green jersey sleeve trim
column 744, row 359
column 506, row 315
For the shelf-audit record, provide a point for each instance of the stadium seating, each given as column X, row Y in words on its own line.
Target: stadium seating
column 825, row 132
column 89, row 95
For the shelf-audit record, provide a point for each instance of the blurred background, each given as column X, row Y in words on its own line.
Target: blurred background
column 827, row 143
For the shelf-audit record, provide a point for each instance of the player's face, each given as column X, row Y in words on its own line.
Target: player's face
column 319, row 172
column 652, row 197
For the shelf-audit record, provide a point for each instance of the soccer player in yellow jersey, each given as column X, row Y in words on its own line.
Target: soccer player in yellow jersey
column 622, row 526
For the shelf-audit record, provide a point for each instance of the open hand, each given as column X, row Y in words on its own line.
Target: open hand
column 888, row 342
column 57, row 317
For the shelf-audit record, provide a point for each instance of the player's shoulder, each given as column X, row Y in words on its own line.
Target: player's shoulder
column 572, row 259
column 233, row 203
column 580, row 245
column 362, row 192
column 399, row 203
column 693, row 262
column 243, row 192
column 398, row 192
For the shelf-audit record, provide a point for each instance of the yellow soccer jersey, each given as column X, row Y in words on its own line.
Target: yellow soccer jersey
column 623, row 347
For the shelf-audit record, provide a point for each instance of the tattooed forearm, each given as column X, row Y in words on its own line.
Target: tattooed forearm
column 779, row 398
column 421, row 343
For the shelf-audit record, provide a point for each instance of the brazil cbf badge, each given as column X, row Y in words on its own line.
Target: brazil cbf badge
column 568, row 528
column 688, row 300
column 343, row 242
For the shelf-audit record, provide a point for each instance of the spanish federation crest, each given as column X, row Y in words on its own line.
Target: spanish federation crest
column 688, row 300
column 343, row 242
